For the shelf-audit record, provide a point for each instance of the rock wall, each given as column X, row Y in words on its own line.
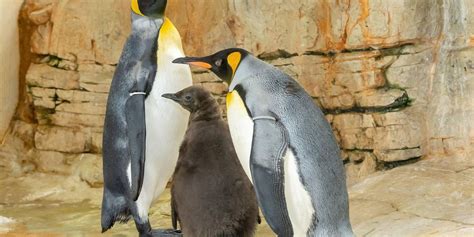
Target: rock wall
column 9, row 62
column 395, row 77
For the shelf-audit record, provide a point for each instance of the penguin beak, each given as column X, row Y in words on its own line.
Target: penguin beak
column 171, row 97
column 198, row 62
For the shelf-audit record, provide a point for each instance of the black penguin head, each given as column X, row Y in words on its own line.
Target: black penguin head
column 192, row 98
column 149, row 8
column 223, row 63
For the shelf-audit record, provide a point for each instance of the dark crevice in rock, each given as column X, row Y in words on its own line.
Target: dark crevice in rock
column 388, row 51
column 359, row 150
column 399, row 104
column 43, row 115
column 280, row 53
column 382, row 165
column 462, row 170
column 394, row 51
column 57, row 62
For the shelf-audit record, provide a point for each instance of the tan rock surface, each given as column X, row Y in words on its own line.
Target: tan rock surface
column 68, row 140
column 49, row 77
column 427, row 198
column 384, row 70
column 103, row 25
column 424, row 199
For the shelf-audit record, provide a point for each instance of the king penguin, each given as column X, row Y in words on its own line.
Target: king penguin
column 142, row 130
column 211, row 195
column 285, row 145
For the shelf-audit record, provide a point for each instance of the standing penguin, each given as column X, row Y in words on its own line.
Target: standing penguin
column 210, row 194
column 285, row 144
column 139, row 123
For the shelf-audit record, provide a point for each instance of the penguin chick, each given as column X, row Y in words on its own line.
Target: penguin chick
column 211, row 194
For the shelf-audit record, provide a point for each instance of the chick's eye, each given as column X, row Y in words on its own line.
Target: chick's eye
column 218, row 62
column 188, row 98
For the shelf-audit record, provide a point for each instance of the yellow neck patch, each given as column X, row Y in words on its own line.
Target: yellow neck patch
column 234, row 101
column 233, row 60
column 136, row 8
column 169, row 35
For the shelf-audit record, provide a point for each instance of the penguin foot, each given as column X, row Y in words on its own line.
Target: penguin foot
column 166, row 233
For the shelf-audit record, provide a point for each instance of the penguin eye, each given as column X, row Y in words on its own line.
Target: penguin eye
column 218, row 62
column 188, row 98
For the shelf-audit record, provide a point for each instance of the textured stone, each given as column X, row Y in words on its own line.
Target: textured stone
column 427, row 199
column 397, row 137
column 45, row 103
column 345, row 101
column 96, row 144
column 394, row 118
column 215, row 87
column 89, row 169
column 368, row 166
column 82, row 96
column 41, row 13
column 82, row 108
column 201, row 77
column 96, row 81
column 43, row 92
column 104, row 26
column 41, row 38
column 378, row 98
column 357, row 172
column 61, row 139
column 42, row 75
column 358, row 138
column 66, row 119
column 356, row 82
column 391, row 75
column 53, row 162
column 316, row 25
column 353, row 120
column 397, row 155
column 359, row 156
column 43, row 97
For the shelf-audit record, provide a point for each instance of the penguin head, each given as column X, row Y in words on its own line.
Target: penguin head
column 223, row 63
column 192, row 98
column 149, row 8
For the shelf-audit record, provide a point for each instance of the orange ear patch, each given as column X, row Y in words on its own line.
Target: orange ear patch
column 233, row 60
column 136, row 8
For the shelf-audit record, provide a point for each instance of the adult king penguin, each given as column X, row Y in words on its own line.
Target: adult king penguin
column 139, row 123
column 285, row 145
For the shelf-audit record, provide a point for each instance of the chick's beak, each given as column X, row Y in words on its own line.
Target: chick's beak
column 171, row 97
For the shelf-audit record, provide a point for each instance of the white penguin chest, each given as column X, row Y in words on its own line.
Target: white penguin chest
column 241, row 129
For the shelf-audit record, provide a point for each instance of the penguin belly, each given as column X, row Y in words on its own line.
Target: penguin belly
column 298, row 201
column 166, row 125
column 241, row 129
column 299, row 206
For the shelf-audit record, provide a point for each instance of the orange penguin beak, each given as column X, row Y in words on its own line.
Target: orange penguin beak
column 198, row 62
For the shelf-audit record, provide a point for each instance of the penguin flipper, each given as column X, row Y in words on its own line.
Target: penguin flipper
column 136, row 132
column 174, row 214
column 270, row 142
